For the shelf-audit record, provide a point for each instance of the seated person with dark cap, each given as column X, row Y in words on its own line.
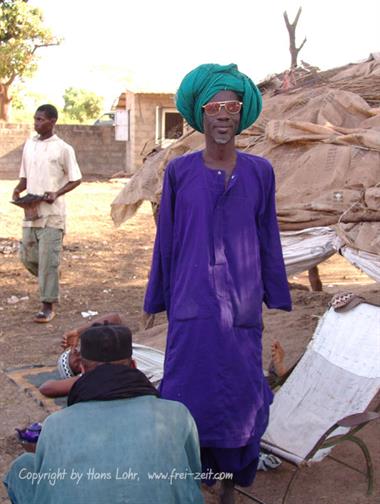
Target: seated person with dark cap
column 115, row 442
column 149, row 360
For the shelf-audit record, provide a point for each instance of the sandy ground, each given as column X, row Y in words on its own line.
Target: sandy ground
column 105, row 268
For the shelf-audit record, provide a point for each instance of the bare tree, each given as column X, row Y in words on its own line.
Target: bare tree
column 291, row 27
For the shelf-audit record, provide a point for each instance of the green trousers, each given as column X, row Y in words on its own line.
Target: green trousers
column 40, row 252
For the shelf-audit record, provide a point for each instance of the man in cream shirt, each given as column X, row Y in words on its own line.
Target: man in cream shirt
column 48, row 169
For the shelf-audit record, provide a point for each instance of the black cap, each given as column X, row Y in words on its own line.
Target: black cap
column 106, row 343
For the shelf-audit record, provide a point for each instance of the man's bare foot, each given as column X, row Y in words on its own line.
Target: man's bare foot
column 278, row 354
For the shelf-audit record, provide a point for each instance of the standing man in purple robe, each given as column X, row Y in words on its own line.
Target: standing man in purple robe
column 217, row 258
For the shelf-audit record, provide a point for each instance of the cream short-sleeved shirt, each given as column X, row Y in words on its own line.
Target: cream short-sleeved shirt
column 48, row 165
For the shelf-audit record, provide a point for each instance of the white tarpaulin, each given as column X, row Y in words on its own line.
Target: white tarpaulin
column 150, row 361
column 338, row 376
column 304, row 249
column 309, row 247
column 365, row 261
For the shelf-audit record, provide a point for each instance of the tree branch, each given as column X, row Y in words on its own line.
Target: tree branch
column 286, row 20
column 301, row 46
column 38, row 46
column 297, row 17
column 10, row 80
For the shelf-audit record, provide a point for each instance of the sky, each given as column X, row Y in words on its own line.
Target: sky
column 148, row 45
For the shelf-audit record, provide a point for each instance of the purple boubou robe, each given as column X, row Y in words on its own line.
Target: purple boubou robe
column 217, row 257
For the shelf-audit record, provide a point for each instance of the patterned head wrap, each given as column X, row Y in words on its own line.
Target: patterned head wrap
column 202, row 83
column 64, row 369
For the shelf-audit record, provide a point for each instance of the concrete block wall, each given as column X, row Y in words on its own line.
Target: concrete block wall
column 12, row 139
column 99, row 154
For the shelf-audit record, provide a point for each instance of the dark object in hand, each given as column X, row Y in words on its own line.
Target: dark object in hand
column 29, row 203
column 27, row 200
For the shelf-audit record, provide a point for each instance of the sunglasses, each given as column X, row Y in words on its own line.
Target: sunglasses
column 232, row 107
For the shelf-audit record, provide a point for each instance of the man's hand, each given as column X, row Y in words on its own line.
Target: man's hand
column 50, row 197
column 16, row 194
column 20, row 187
column 70, row 339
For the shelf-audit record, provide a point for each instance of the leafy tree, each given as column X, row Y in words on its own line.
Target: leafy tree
column 22, row 32
column 81, row 104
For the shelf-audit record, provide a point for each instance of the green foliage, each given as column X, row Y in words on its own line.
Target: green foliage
column 22, row 32
column 25, row 99
column 81, row 104
column 24, row 103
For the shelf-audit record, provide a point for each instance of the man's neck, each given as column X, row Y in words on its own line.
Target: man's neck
column 46, row 136
column 220, row 156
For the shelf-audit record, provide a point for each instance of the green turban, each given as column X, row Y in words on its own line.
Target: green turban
column 202, row 83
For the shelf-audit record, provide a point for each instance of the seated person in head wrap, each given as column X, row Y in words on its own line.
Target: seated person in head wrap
column 114, row 433
column 149, row 360
column 217, row 258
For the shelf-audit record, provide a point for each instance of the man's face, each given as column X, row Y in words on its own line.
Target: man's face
column 43, row 124
column 222, row 127
column 75, row 361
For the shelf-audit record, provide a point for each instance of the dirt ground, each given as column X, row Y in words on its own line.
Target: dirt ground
column 105, row 268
